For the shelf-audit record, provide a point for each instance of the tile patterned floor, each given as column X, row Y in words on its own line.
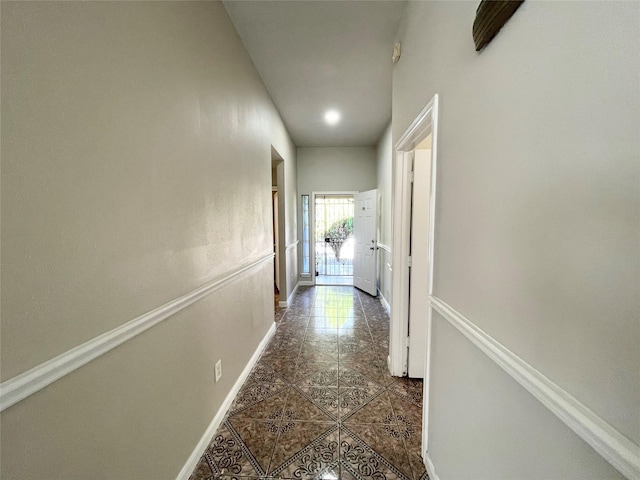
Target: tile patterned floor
column 320, row 403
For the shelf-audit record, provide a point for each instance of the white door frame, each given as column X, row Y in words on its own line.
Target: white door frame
column 312, row 227
column 278, row 162
column 426, row 122
column 276, row 233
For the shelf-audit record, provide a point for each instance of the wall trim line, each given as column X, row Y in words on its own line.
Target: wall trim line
column 25, row 384
column 218, row 418
column 384, row 247
column 614, row 447
column 293, row 244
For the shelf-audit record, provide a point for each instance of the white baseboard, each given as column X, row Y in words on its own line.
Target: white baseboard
column 384, row 302
column 195, row 456
column 293, row 294
column 287, row 302
column 431, row 470
column 305, row 283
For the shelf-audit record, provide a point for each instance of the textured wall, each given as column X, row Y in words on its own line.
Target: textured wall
column 136, row 165
column 538, row 217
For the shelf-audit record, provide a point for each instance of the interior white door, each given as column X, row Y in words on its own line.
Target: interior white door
column 419, row 269
column 364, row 232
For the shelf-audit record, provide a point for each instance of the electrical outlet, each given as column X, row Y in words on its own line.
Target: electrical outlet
column 218, row 369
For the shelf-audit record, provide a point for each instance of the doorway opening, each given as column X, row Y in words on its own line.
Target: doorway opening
column 276, row 245
column 333, row 239
column 413, row 253
column 278, row 220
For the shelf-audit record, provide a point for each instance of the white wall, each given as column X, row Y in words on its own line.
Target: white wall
column 136, row 165
column 537, row 226
column 384, row 156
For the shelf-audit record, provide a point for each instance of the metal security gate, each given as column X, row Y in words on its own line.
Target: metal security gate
column 334, row 243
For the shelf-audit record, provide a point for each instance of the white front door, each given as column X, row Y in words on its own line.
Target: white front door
column 364, row 232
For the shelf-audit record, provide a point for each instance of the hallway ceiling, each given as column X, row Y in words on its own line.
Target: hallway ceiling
column 319, row 55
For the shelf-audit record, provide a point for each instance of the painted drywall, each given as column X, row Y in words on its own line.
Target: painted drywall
column 495, row 424
column 537, row 217
column 384, row 177
column 139, row 411
column 336, row 169
column 136, row 165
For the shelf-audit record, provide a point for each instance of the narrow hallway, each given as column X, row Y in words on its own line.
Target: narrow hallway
column 320, row 403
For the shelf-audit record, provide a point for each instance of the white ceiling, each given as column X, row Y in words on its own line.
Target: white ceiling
column 316, row 55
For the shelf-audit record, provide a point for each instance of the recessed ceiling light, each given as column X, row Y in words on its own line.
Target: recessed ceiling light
column 332, row 117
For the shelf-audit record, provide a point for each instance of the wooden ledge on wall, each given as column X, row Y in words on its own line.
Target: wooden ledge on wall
column 491, row 15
